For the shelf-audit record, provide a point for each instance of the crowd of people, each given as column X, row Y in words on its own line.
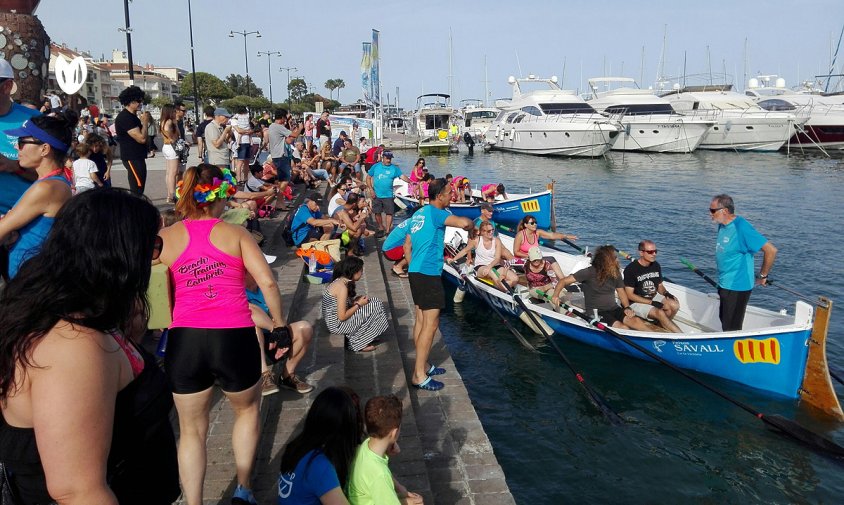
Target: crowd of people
column 85, row 408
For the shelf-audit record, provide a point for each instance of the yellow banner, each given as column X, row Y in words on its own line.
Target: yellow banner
column 757, row 351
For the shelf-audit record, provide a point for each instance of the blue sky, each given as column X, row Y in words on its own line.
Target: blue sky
column 793, row 39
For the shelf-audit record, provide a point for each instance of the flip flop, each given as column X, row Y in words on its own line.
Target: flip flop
column 403, row 274
column 429, row 384
column 435, row 371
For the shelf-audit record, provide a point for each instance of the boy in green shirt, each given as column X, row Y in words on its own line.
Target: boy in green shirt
column 370, row 479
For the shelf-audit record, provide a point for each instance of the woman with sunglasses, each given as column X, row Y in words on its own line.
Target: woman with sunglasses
column 85, row 411
column 487, row 248
column 43, row 143
column 417, row 175
column 212, row 336
column 528, row 235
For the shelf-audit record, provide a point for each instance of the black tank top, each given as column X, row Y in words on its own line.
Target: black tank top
column 142, row 466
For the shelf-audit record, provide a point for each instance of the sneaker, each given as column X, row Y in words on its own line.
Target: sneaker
column 296, row 384
column 243, row 496
column 268, row 385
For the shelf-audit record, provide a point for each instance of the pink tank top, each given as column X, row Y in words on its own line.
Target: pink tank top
column 487, row 187
column 209, row 284
column 525, row 247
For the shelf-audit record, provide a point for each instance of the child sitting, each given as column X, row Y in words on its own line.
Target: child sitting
column 370, row 480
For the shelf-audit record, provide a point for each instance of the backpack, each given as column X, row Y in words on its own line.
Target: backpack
column 287, row 230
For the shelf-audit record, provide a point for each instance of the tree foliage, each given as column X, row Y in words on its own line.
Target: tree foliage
column 161, row 101
column 243, row 85
column 333, row 84
column 340, row 85
column 298, row 88
column 211, row 88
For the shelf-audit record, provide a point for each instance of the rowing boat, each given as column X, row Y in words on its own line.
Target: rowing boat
column 771, row 353
column 507, row 212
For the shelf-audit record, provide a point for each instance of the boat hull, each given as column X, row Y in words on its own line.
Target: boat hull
column 505, row 212
column 669, row 136
column 576, row 139
column 819, row 134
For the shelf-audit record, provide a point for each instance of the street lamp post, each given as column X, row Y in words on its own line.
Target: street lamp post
column 289, row 104
column 196, row 116
column 245, row 53
column 128, row 31
column 270, row 55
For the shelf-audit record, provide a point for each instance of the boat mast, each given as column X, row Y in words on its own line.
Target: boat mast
column 832, row 63
column 450, row 74
column 519, row 64
column 486, row 84
column 642, row 68
column 709, row 63
column 744, row 77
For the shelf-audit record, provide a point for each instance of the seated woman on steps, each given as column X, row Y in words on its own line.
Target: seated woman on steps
column 360, row 318
column 488, row 249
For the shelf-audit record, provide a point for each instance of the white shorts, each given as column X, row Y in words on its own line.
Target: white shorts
column 642, row 309
column 169, row 152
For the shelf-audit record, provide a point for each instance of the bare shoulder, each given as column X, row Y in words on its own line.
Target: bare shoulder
column 68, row 343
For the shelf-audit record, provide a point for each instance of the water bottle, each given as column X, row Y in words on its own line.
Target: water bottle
column 312, row 264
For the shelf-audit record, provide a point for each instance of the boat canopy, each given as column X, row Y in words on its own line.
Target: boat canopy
column 640, row 109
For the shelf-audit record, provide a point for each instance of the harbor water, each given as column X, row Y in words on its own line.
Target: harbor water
column 681, row 443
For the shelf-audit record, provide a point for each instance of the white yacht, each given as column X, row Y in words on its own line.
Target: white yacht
column 650, row 123
column 825, row 127
column 477, row 118
column 741, row 124
column 434, row 115
column 550, row 121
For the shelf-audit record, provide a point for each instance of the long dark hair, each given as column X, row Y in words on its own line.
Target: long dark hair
column 59, row 283
column 346, row 268
column 168, row 113
column 331, row 427
column 606, row 264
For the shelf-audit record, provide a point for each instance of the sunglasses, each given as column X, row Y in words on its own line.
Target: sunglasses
column 22, row 142
column 157, row 246
column 530, row 222
column 652, row 251
column 713, row 211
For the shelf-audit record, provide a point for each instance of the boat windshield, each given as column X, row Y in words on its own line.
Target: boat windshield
column 567, row 108
column 640, row 109
column 533, row 111
column 775, row 104
column 436, row 122
column 482, row 114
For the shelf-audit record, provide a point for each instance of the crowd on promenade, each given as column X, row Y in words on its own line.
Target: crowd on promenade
column 85, row 408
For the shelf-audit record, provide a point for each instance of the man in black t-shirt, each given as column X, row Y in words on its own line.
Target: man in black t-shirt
column 132, row 138
column 323, row 128
column 648, row 297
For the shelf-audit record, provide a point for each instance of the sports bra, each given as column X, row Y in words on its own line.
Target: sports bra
column 526, row 245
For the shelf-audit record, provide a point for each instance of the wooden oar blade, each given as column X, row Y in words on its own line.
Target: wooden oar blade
column 802, row 434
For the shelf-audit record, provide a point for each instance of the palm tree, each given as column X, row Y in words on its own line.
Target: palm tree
column 339, row 84
column 331, row 85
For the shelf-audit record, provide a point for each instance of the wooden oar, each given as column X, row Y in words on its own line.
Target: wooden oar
column 593, row 395
column 786, row 426
column 695, row 270
column 516, row 333
column 770, row 282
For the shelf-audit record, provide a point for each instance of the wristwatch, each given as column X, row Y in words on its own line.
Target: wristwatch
column 760, row 276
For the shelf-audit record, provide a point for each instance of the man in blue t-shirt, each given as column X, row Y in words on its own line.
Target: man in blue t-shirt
column 380, row 182
column 737, row 242
column 423, row 247
column 14, row 181
column 308, row 225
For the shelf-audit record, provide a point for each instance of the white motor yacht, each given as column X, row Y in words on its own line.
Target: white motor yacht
column 434, row 115
column 650, row 123
column 550, row 121
column 825, row 127
column 741, row 124
column 477, row 118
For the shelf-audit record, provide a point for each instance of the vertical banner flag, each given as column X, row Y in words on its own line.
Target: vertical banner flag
column 365, row 69
column 376, row 78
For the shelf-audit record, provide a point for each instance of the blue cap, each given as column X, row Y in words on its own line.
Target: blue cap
column 222, row 111
column 29, row 129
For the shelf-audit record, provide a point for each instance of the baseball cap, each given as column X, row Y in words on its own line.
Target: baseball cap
column 222, row 111
column 534, row 254
column 7, row 72
column 486, row 206
column 387, row 154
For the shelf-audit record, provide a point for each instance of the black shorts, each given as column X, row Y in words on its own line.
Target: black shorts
column 282, row 168
column 196, row 358
column 385, row 205
column 610, row 316
column 427, row 291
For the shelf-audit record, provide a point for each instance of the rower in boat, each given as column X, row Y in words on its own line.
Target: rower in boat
column 490, row 191
column 646, row 291
column 528, row 235
column 487, row 248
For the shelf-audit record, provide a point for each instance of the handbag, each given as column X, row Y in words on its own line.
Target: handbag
column 8, row 496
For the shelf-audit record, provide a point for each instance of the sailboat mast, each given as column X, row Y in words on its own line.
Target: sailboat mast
column 486, row 84
column 450, row 74
column 832, row 63
column 661, row 67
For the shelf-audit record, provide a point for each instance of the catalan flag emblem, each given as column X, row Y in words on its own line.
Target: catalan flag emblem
column 757, row 351
column 530, row 206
